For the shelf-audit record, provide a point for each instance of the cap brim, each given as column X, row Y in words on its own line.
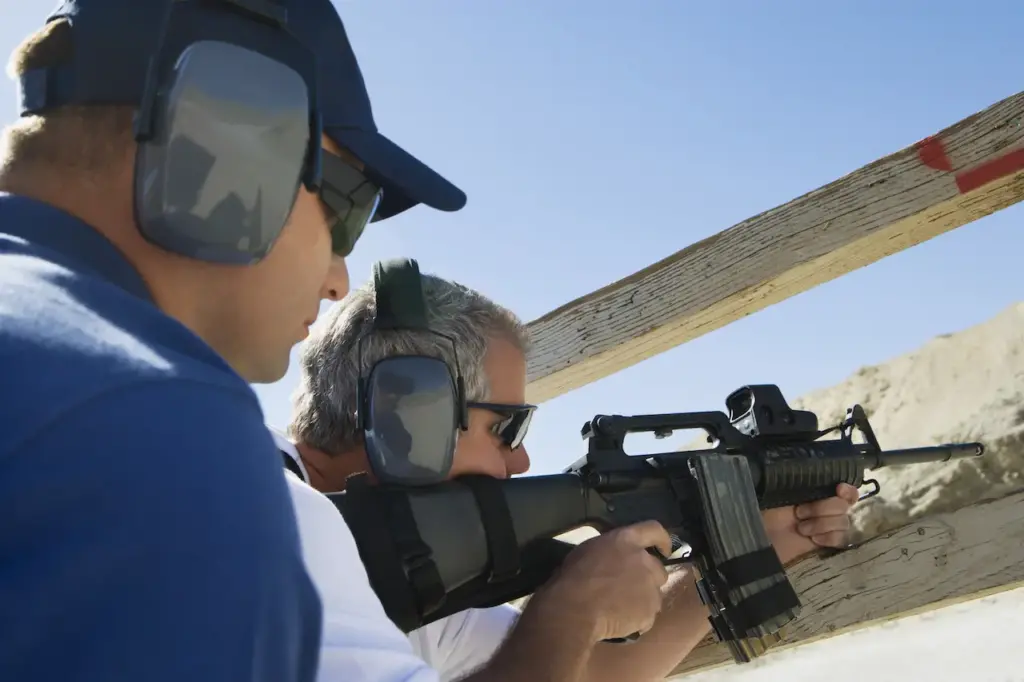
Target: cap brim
column 406, row 180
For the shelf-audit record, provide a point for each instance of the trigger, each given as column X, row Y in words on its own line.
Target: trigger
column 680, row 551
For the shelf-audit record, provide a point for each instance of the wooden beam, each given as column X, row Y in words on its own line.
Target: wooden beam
column 963, row 173
column 934, row 562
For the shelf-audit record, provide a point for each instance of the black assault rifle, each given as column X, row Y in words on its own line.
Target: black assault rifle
column 475, row 541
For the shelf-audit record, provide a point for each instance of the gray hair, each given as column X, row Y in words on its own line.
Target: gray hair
column 323, row 406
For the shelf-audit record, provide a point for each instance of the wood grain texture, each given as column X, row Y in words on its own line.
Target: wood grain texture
column 968, row 171
column 947, row 558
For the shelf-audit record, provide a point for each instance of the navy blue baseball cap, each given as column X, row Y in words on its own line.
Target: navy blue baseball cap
column 113, row 40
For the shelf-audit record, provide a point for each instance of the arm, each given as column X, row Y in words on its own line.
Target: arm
column 547, row 645
column 681, row 626
column 607, row 587
column 794, row 532
column 465, row 641
column 170, row 548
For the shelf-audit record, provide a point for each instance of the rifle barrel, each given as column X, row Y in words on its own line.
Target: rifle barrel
column 932, row 453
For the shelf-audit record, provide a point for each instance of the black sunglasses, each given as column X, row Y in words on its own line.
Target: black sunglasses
column 351, row 197
column 514, row 424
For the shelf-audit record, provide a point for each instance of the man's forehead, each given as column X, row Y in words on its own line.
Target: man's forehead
column 330, row 145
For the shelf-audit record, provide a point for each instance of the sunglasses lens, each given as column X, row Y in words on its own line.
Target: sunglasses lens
column 365, row 201
column 514, row 424
column 350, row 219
column 513, row 429
column 352, row 198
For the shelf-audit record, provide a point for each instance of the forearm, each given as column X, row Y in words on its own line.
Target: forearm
column 680, row 626
column 542, row 647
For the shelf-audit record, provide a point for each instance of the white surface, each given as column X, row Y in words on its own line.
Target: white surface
column 976, row 641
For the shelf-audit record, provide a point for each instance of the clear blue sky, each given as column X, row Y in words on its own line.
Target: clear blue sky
column 594, row 138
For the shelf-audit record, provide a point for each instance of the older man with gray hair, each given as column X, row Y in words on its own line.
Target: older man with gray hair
column 491, row 344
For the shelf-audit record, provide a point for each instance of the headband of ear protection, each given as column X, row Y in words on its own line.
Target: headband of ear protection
column 398, row 294
column 227, row 129
column 408, row 390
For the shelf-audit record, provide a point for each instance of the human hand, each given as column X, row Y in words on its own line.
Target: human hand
column 611, row 582
column 797, row 530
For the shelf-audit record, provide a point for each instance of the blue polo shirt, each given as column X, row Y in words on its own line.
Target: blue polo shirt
column 147, row 532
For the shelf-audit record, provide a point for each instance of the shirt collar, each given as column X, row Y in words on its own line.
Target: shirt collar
column 291, row 453
column 74, row 240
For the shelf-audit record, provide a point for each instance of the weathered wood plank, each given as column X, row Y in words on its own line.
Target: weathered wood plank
column 922, row 566
column 966, row 172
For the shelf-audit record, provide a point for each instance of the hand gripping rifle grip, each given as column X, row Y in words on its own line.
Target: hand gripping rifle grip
column 653, row 551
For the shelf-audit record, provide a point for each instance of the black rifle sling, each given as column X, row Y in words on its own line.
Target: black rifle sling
column 416, row 556
column 399, row 564
column 500, row 532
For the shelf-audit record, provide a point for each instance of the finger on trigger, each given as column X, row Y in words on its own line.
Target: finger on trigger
column 652, row 534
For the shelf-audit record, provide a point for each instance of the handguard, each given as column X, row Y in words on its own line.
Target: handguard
column 741, row 579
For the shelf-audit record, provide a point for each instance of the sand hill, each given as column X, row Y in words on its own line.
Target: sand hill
column 957, row 387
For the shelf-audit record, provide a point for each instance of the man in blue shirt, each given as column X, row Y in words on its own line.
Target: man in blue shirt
column 148, row 533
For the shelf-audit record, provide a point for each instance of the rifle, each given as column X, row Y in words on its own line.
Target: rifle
column 474, row 541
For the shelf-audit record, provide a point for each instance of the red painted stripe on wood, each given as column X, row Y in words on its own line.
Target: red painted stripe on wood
column 999, row 167
column 932, row 153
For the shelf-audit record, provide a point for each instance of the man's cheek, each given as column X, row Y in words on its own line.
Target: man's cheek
column 481, row 461
column 461, row 461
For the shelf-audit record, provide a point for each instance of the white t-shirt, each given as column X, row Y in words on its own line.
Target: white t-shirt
column 359, row 640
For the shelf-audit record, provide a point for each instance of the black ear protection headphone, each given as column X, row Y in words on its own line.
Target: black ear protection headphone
column 399, row 304
column 228, row 129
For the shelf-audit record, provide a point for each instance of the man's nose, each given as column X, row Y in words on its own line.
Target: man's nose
column 518, row 461
column 336, row 284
